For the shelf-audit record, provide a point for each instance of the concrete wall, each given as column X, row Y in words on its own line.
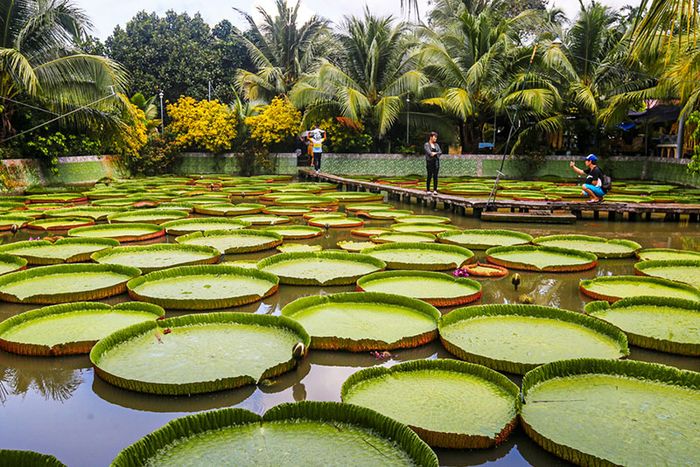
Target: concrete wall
column 18, row 174
column 475, row 165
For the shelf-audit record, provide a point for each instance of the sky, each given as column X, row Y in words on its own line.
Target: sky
column 106, row 14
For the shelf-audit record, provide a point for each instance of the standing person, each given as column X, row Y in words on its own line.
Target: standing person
column 317, row 137
column 432, row 160
column 593, row 186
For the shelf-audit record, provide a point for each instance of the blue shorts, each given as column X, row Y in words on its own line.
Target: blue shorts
column 598, row 191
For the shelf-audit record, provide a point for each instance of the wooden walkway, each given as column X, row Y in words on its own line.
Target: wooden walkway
column 613, row 211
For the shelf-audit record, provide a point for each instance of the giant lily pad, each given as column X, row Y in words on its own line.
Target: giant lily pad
column 616, row 412
column 423, row 219
column 28, row 458
column 298, row 248
column 11, row 263
column 424, row 256
column 667, row 254
column 518, row 338
column 443, row 401
column 355, row 247
column 60, row 224
column 296, row 232
column 614, row 288
column 425, row 227
column 359, row 322
column 212, row 352
column 57, row 198
column 64, row 250
column 150, row 216
column 665, row 324
column 686, row 271
column 289, row 211
column 264, row 219
column 369, row 231
column 336, row 222
column 188, row 226
column 121, row 232
column 8, row 222
column 355, row 196
column 436, row 288
column 322, row 268
column 400, row 237
column 234, row 241
column 154, row 257
column 48, row 285
column 599, row 246
column 203, row 287
column 229, row 209
column 70, row 329
column 386, row 214
column 481, row 239
column 305, row 433
column 93, row 212
column 541, row 258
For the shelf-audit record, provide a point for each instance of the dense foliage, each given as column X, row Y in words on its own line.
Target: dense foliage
column 275, row 123
column 202, row 125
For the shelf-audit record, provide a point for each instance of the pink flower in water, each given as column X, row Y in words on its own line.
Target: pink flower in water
column 459, row 272
column 380, row 355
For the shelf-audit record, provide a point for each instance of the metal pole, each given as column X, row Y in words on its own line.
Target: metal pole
column 162, row 116
column 209, row 89
column 408, row 121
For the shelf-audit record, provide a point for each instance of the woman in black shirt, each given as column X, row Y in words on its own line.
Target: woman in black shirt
column 432, row 160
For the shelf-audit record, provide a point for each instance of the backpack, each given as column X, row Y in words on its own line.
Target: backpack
column 607, row 183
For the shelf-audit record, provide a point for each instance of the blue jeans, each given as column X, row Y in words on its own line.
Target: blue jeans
column 598, row 191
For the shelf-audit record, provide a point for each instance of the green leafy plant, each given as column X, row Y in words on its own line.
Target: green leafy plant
column 694, row 165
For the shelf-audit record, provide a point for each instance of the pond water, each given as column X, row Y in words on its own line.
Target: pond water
column 57, row 405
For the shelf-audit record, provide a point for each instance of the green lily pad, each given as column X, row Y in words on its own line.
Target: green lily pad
column 289, row 211
column 64, row 250
column 70, row 329
column 422, row 219
column 48, row 285
column 234, row 241
column 686, row 271
column 518, row 338
column 28, row 458
column 423, row 256
column 296, row 232
column 264, row 219
column 369, row 231
column 599, row 246
column 401, row 237
column 188, row 226
column 366, row 207
column 355, row 196
column 616, row 412
column 541, row 258
column 151, row 258
column 213, row 352
column 614, row 288
column 425, row 227
column 667, row 254
column 354, row 247
column 481, row 239
column 436, row 288
column 120, row 232
column 57, row 198
column 336, row 222
column 7, row 222
column 322, row 268
column 150, row 216
column 386, row 214
column 443, row 401
column 359, row 322
column 305, row 433
column 11, row 263
column 206, row 287
column 665, row 324
column 93, row 212
column 298, row 248
column 60, row 224
column 227, row 209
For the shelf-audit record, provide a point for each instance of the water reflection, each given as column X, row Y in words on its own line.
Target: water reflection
column 54, row 379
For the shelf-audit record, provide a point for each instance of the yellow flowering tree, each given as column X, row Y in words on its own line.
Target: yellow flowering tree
column 275, row 123
column 204, row 125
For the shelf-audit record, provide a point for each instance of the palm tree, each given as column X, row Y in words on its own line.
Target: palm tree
column 373, row 76
column 40, row 64
column 478, row 66
column 281, row 49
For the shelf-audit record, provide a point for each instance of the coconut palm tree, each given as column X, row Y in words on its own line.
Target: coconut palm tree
column 40, row 64
column 479, row 67
column 282, row 49
column 370, row 79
